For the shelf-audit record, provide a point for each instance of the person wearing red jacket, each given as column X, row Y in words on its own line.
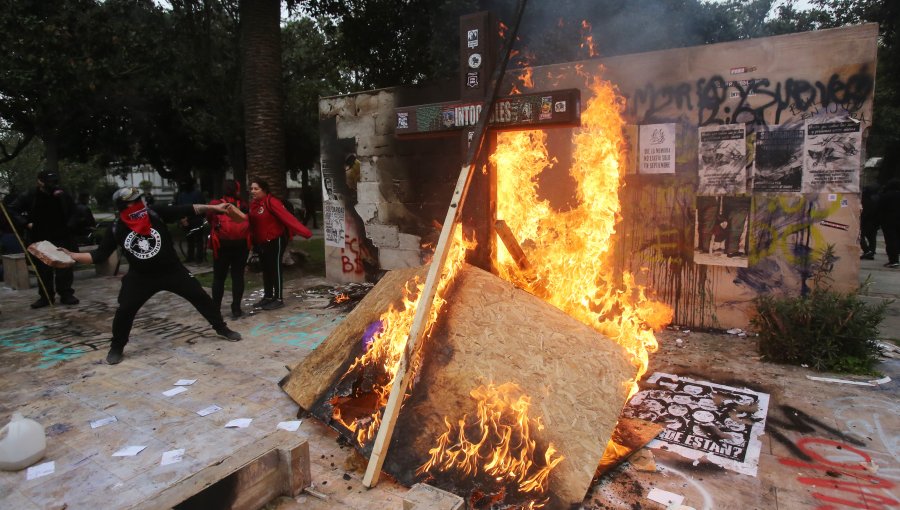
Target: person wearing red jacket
column 271, row 227
column 230, row 242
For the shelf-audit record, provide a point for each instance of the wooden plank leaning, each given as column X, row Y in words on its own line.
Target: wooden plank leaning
column 401, row 380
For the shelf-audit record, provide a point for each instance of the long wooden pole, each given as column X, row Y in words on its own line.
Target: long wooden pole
column 27, row 255
column 426, row 297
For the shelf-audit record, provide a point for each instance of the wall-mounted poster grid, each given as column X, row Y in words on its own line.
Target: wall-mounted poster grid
column 778, row 158
column 704, row 420
column 657, row 149
column 722, row 167
column 721, row 230
column 334, row 223
column 832, row 156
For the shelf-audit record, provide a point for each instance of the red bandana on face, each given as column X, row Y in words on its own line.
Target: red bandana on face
column 137, row 218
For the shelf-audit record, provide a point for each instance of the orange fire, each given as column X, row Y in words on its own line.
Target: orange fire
column 340, row 298
column 588, row 39
column 571, row 251
column 498, row 441
column 388, row 344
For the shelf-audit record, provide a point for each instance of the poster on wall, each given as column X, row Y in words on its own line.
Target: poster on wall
column 657, row 146
column 722, row 154
column 722, row 231
column 704, row 420
column 334, row 223
column 778, row 158
column 832, row 156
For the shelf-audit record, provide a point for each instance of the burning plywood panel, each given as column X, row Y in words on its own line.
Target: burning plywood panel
column 492, row 337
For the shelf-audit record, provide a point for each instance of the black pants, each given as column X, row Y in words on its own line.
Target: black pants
column 137, row 288
column 892, row 241
column 57, row 280
column 196, row 247
column 270, row 261
column 231, row 256
column 868, row 234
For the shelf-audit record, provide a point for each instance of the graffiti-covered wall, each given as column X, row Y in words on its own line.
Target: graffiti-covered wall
column 743, row 164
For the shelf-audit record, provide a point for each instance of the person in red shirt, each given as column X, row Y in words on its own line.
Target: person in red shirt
column 230, row 242
column 271, row 227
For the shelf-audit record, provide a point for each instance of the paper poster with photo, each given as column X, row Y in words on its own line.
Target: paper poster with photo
column 832, row 156
column 722, row 230
column 778, row 158
column 704, row 420
column 657, row 149
column 334, row 223
column 722, row 157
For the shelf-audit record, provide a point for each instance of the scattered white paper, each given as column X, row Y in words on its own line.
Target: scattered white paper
column 47, row 468
column 669, row 499
column 290, row 426
column 175, row 391
column 185, row 382
column 238, row 423
column 873, row 382
column 171, row 457
column 103, row 421
column 209, row 410
column 129, row 451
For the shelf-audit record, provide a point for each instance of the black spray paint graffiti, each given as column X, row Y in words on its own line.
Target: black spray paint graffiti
column 797, row 421
column 801, row 98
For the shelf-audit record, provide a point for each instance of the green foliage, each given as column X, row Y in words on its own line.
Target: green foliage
column 825, row 329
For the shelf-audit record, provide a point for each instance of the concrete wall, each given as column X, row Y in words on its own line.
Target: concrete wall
column 759, row 85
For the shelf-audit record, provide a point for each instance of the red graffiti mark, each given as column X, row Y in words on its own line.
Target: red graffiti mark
column 351, row 264
column 859, row 485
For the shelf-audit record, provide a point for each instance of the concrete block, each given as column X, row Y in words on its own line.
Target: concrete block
column 374, row 145
column 391, row 258
column 368, row 212
column 410, row 242
column 355, row 127
column 386, row 101
column 367, row 104
column 344, row 106
column 391, row 167
column 369, row 193
column 426, row 497
column 368, row 170
column 385, row 123
column 383, row 236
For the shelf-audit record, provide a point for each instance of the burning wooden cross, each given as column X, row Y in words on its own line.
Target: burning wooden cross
column 477, row 41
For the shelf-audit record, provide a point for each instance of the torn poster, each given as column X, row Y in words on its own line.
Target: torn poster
column 832, row 156
column 704, row 420
column 334, row 223
column 722, row 164
column 657, row 145
column 778, row 158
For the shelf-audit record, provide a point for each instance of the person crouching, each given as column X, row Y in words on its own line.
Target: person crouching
column 153, row 265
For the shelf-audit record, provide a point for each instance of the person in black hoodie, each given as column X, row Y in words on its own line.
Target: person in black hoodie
column 153, row 265
column 46, row 213
column 889, row 219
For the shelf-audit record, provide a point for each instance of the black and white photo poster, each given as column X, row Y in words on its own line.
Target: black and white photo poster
column 334, row 223
column 704, row 420
column 778, row 158
column 722, row 160
column 657, row 146
column 832, row 156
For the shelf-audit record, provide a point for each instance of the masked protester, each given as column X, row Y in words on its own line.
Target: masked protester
column 271, row 226
column 46, row 213
column 153, row 265
column 230, row 240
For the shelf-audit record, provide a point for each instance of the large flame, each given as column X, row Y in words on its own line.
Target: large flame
column 497, row 441
column 570, row 251
column 388, row 343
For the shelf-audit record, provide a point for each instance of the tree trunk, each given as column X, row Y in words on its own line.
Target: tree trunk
column 262, row 91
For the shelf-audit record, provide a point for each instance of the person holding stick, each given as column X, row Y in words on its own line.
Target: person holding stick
column 153, row 265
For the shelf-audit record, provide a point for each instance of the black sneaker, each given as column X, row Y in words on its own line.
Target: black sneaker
column 40, row 303
column 262, row 302
column 891, row 265
column 69, row 300
column 236, row 313
column 869, row 255
column 116, row 354
column 275, row 304
column 228, row 334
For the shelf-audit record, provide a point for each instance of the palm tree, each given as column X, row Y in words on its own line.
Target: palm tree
column 262, row 91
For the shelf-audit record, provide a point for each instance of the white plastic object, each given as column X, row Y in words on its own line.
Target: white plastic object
column 22, row 443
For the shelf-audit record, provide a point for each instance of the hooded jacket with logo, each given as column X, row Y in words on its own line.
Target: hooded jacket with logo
column 145, row 254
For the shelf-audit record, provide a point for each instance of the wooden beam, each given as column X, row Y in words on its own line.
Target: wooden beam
column 247, row 480
column 426, row 297
column 512, row 244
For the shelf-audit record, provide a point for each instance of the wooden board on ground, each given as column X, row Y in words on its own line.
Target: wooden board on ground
column 492, row 332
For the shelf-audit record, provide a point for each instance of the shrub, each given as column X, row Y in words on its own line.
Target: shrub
column 824, row 329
